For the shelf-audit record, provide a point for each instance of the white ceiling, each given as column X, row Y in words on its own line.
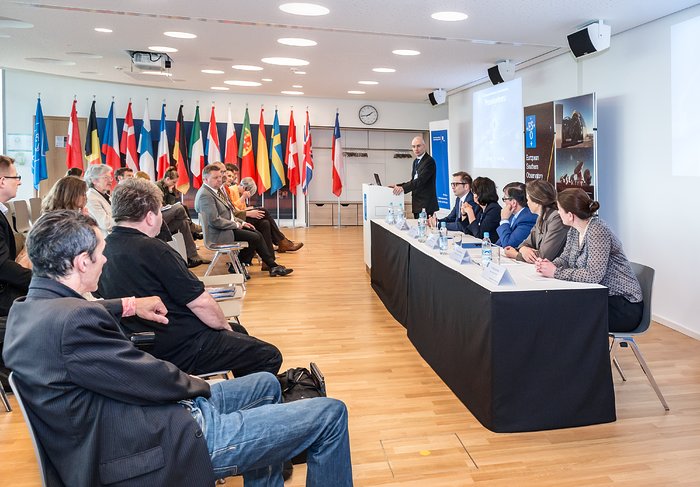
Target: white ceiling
column 355, row 37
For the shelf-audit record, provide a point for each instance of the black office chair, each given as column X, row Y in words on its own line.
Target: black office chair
column 645, row 275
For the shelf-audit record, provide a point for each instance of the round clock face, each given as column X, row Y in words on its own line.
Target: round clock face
column 368, row 114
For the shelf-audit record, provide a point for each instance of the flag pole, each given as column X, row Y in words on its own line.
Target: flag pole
column 294, row 213
column 339, row 222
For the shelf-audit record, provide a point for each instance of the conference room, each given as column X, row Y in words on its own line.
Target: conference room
column 452, row 372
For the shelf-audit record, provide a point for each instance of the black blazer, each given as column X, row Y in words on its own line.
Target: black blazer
column 486, row 221
column 104, row 411
column 422, row 188
column 14, row 279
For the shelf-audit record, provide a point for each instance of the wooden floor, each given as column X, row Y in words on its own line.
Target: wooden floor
column 406, row 427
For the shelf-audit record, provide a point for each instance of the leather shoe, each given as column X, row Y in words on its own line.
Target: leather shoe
column 197, row 236
column 287, row 245
column 280, row 270
column 264, row 267
column 194, row 262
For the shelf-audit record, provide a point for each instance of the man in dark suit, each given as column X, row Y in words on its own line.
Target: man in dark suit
column 107, row 413
column 462, row 189
column 422, row 183
column 224, row 227
column 14, row 278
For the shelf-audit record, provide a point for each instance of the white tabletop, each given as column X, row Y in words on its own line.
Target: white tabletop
column 524, row 274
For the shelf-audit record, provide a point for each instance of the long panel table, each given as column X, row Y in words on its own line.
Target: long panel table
column 524, row 357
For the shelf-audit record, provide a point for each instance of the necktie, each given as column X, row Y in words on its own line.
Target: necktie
column 415, row 168
column 458, row 210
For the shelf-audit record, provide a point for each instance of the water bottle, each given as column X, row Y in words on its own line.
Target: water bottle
column 486, row 250
column 422, row 225
column 390, row 214
column 442, row 241
column 400, row 217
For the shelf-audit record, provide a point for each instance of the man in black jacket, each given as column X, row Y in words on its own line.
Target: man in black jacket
column 422, row 183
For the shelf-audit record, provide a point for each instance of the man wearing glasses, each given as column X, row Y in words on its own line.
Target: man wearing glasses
column 14, row 278
column 462, row 189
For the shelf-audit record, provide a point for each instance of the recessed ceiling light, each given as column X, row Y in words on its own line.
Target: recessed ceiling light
column 86, row 55
column 247, row 67
column 103, row 30
column 158, row 73
column 368, row 82
column 311, row 9
column 8, row 23
column 296, row 41
column 50, row 60
column 290, row 92
column 180, row 35
column 405, row 52
column 384, row 70
column 297, row 86
column 356, row 92
column 299, row 72
column 267, row 79
column 285, row 61
column 449, row 16
column 162, row 49
column 220, row 88
column 236, row 82
column 212, row 71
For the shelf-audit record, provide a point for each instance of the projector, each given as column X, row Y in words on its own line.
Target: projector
column 150, row 61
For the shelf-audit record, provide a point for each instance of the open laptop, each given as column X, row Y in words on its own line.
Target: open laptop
column 377, row 180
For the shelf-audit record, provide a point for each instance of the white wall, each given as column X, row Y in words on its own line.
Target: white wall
column 21, row 88
column 647, row 207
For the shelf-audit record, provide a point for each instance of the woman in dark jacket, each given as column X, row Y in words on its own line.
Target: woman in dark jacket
column 488, row 219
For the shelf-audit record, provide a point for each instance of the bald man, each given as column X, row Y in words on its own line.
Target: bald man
column 422, row 183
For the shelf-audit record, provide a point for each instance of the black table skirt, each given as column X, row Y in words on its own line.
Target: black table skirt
column 520, row 361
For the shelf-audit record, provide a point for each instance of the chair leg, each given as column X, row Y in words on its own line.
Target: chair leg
column 5, row 400
column 212, row 264
column 613, row 348
column 619, row 369
column 647, row 371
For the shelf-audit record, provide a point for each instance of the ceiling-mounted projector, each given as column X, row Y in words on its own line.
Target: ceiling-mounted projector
column 150, row 61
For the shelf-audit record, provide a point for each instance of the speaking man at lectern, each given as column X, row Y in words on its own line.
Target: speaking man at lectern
column 422, row 183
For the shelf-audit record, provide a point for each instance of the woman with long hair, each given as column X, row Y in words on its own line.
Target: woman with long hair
column 69, row 193
column 594, row 254
column 548, row 236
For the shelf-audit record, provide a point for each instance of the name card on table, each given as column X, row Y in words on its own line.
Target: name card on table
column 497, row 274
column 461, row 255
column 413, row 232
column 432, row 241
column 403, row 225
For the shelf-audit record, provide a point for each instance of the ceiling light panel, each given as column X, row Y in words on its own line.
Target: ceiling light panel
column 285, row 61
column 247, row 67
column 212, row 71
column 308, row 9
column 236, row 82
column 180, row 35
column 405, row 52
column 290, row 92
column 296, row 41
column 449, row 16
column 384, row 70
column 162, row 49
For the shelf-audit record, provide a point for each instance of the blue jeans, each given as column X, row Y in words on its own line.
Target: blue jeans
column 249, row 431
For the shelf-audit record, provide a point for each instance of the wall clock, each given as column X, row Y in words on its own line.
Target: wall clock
column 368, row 115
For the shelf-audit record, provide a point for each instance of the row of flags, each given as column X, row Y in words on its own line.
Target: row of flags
column 266, row 167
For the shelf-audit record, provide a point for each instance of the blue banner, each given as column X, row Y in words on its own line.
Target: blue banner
column 442, row 176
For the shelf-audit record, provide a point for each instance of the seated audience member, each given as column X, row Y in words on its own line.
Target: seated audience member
column 75, row 171
column 548, row 236
column 123, row 173
column 486, row 220
column 462, row 188
column 173, row 197
column 594, row 254
column 99, row 180
column 142, row 175
column 107, row 413
column 224, row 227
column 68, row 193
column 15, row 274
column 263, row 222
column 198, row 338
column 516, row 218
column 175, row 217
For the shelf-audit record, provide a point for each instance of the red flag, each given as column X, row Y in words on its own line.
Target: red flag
column 231, row 141
column 127, row 145
column 213, row 151
column 337, row 158
column 292, row 156
column 74, row 151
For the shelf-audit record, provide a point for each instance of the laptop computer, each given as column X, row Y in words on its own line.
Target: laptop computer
column 377, row 181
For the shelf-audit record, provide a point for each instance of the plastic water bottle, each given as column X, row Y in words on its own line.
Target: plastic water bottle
column 442, row 241
column 422, row 225
column 390, row 214
column 486, row 250
column 400, row 217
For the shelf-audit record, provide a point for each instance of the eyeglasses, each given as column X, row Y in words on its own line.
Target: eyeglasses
column 18, row 177
column 457, row 184
column 504, row 199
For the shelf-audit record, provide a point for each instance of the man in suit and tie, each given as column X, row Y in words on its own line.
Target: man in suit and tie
column 224, row 227
column 516, row 218
column 462, row 188
column 107, row 413
column 14, row 278
column 422, row 183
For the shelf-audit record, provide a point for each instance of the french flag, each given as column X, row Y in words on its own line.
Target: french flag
column 163, row 150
